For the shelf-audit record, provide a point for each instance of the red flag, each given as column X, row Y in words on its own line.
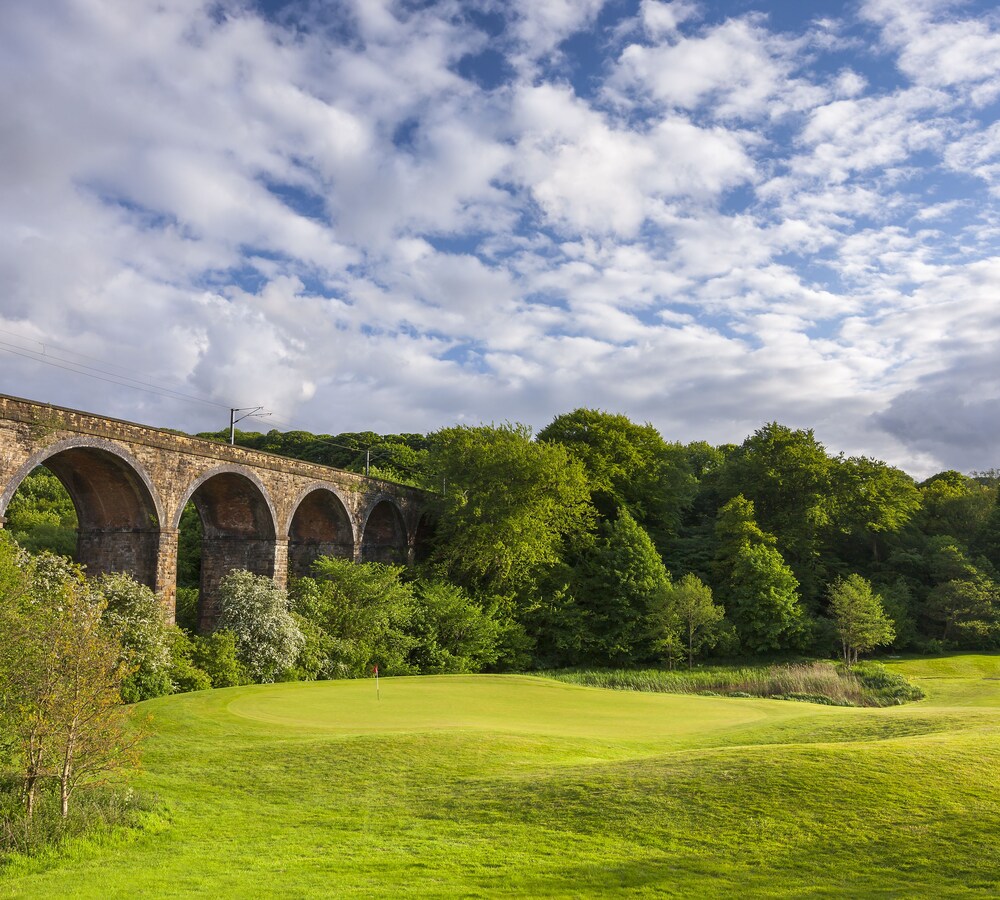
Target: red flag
column 375, row 670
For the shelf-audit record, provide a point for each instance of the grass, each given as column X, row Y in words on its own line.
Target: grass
column 867, row 684
column 528, row 787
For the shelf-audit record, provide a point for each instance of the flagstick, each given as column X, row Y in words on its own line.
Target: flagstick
column 378, row 693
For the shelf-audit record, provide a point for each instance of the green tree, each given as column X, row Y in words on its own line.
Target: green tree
column 691, row 604
column 510, row 503
column 453, row 633
column 365, row 610
column 872, row 499
column 956, row 505
column 858, row 616
column 61, row 673
column 759, row 590
column 623, row 588
column 41, row 515
column 628, row 466
column 255, row 610
column 966, row 610
column 787, row 474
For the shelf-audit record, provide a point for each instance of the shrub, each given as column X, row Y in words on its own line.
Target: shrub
column 134, row 614
column 184, row 674
column 365, row 611
column 453, row 633
column 216, row 655
column 256, row 611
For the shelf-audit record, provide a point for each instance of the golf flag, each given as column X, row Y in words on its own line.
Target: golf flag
column 378, row 693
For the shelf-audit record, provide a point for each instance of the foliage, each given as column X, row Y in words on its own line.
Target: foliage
column 184, row 674
column 453, row 633
column 787, row 475
column 622, row 590
column 872, row 498
column 189, row 553
column 186, row 608
column 365, row 610
column 956, row 505
column 759, row 590
column 511, row 504
column 216, row 655
column 134, row 615
column 61, row 673
column 628, row 466
column 255, row 610
column 690, row 603
column 41, row 516
column 867, row 684
column 859, row 618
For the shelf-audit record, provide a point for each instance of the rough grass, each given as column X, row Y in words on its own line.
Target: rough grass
column 527, row 787
column 867, row 684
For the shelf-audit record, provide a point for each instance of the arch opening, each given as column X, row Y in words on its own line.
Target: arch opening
column 237, row 532
column 117, row 527
column 423, row 538
column 384, row 538
column 320, row 526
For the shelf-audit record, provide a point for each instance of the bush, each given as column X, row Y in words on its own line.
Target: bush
column 256, row 611
column 453, row 633
column 216, row 654
column 365, row 612
column 184, row 674
column 134, row 614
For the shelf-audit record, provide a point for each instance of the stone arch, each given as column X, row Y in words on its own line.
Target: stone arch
column 320, row 525
column 238, row 532
column 383, row 536
column 117, row 506
column 423, row 537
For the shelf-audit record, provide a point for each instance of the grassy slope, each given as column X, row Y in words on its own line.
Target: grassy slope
column 527, row 787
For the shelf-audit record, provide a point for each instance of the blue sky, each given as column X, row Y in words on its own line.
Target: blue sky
column 399, row 216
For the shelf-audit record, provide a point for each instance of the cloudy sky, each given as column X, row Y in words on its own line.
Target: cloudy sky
column 396, row 216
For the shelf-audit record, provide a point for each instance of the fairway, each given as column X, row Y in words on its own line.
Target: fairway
column 476, row 786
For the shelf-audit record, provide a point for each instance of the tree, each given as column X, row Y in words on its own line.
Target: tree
column 623, row 587
column 453, row 633
column 858, row 617
column 759, row 590
column 690, row 601
column 509, row 505
column 61, row 672
column 872, row 498
column 256, row 611
column 365, row 610
column 787, row 475
column 628, row 466
column 41, row 515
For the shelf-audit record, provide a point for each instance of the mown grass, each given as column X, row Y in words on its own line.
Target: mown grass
column 526, row 787
column 820, row 681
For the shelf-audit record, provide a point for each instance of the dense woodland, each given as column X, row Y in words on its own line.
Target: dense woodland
column 581, row 543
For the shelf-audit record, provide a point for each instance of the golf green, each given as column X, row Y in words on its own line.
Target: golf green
column 477, row 786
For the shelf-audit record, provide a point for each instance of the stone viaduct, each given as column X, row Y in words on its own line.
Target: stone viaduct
column 266, row 513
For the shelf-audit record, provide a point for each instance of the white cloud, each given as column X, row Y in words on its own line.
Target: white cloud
column 715, row 226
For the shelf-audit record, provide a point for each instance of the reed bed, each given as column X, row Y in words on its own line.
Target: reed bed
column 821, row 681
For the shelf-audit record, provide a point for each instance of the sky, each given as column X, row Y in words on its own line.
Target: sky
column 399, row 216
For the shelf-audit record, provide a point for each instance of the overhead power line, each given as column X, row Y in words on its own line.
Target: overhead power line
column 122, row 380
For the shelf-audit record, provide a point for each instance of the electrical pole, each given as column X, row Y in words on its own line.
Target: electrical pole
column 249, row 411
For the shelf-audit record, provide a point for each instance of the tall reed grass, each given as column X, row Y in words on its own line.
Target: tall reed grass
column 868, row 684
